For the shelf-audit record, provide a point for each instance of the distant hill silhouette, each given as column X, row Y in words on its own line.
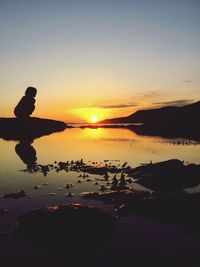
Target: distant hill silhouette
column 168, row 122
column 186, row 115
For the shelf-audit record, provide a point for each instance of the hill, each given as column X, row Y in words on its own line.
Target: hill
column 185, row 115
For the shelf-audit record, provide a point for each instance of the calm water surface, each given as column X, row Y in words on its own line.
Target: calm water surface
column 117, row 145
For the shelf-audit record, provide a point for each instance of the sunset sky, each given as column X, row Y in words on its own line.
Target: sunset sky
column 92, row 60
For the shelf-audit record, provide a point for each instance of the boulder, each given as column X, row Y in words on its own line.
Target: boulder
column 72, row 226
column 167, row 176
column 28, row 128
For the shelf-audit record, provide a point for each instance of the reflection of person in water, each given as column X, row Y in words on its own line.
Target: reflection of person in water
column 26, row 105
column 27, row 153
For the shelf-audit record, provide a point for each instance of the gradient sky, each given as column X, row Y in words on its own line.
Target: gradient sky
column 105, row 58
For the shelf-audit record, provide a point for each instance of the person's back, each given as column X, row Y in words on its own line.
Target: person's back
column 26, row 105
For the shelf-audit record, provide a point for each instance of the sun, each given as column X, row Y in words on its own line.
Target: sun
column 91, row 114
column 94, row 119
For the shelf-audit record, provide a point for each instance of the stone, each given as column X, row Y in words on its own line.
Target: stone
column 19, row 194
column 73, row 226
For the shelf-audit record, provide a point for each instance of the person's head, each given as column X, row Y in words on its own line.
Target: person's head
column 31, row 91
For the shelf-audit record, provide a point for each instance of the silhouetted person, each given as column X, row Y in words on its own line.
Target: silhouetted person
column 27, row 153
column 26, row 105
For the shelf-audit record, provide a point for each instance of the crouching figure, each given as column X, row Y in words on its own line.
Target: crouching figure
column 26, row 105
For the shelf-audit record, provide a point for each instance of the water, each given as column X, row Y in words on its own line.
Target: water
column 116, row 145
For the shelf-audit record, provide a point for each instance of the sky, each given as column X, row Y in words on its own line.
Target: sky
column 92, row 60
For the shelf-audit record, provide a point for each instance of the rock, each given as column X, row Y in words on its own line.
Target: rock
column 44, row 169
column 28, row 129
column 179, row 208
column 124, row 164
column 19, row 194
column 102, row 188
column 96, row 170
column 69, row 194
column 106, row 176
column 122, row 182
column 118, row 196
column 52, row 194
column 172, row 208
column 77, row 166
column 73, row 226
column 130, row 180
column 68, row 186
column 36, row 187
column 167, row 176
column 84, row 175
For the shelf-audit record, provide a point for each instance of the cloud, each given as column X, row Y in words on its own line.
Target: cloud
column 126, row 105
column 187, row 81
column 180, row 102
column 152, row 94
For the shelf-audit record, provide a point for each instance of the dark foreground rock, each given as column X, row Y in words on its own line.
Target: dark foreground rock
column 173, row 208
column 28, row 128
column 167, row 176
column 72, row 226
column 117, row 197
column 19, row 194
column 169, row 208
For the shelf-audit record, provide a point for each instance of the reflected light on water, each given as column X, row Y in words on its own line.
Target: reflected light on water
column 96, row 145
column 98, row 133
column 99, row 144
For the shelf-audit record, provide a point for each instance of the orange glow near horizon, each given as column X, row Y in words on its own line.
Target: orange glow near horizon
column 91, row 114
column 87, row 113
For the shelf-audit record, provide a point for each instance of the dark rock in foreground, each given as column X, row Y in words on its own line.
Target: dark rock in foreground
column 166, row 176
column 116, row 196
column 72, row 226
column 19, row 194
column 170, row 208
column 28, row 129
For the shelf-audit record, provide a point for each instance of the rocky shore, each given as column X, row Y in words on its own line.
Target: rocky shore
column 28, row 129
